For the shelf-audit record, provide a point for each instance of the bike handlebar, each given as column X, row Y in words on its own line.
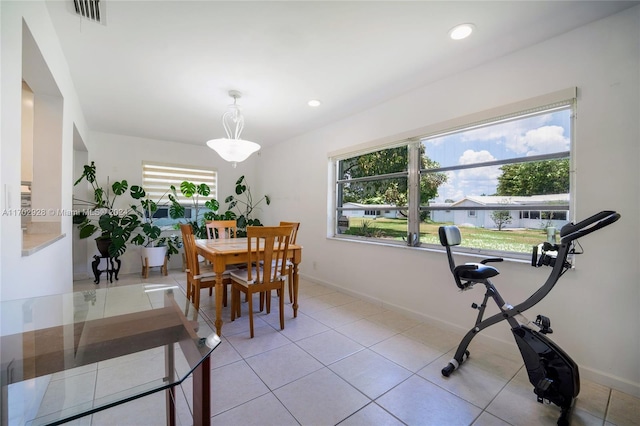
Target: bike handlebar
column 572, row 231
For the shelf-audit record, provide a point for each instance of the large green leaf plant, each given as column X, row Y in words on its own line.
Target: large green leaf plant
column 245, row 205
column 149, row 234
column 101, row 215
column 202, row 207
column 242, row 202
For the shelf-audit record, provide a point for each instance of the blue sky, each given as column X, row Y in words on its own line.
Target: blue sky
column 540, row 134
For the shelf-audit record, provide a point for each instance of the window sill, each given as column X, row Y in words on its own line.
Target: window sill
column 507, row 256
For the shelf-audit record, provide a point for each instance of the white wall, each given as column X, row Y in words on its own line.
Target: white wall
column 81, row 268
column 594, row 308
column 48, row 271
column 120, row 157
column 26, row 173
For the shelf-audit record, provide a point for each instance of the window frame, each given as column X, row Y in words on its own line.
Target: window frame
column 182, row 173
column 561, row 100
column 193, row 174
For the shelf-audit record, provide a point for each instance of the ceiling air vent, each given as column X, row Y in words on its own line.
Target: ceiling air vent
column 89, row 9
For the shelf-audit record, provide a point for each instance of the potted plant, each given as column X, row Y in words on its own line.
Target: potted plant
column 243, row 202
column 115, row 226
column 155, row 249
column 196, row 193
column 245, row 206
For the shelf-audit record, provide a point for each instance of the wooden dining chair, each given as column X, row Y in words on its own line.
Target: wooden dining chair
column 266, row 269
column 186, row 229
column 294, row 237
column 221, row 229
column 198, row 277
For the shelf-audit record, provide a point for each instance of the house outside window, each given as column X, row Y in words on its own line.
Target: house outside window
column 502, row 180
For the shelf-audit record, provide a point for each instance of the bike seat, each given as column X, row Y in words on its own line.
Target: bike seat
column 475, row 272
column 469, row 272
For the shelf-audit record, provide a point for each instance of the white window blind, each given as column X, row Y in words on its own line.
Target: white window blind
column 158, row 178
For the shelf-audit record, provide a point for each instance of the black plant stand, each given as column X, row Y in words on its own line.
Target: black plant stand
column 111, row 270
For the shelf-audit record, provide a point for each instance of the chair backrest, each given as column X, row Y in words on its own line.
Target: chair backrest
column 221, row 229
column 450, row 236
column 191, row 253
column 275, row 240
column 185, row 228
column 294, row 230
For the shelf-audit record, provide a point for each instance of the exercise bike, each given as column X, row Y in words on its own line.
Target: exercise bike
column 551, row 371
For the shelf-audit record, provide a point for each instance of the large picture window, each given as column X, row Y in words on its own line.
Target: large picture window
column 157, row 178
column 505, row 182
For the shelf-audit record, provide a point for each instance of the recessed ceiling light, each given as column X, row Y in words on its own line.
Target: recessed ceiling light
column 461, row 31
column 314, row 103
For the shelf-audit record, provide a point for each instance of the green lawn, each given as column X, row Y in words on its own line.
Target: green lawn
column 396, row 229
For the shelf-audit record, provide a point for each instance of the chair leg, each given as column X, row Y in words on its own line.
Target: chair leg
column 249, row 295
column 235, row 296
column 189, row 295
column 236, row 308
column 281, row 300
column 290, row 285
column 196, row 297
column 224, row 295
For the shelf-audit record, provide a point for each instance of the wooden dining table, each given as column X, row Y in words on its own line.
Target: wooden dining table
column 234, row 251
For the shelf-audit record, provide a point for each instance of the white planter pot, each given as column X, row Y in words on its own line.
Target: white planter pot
column 155, row 255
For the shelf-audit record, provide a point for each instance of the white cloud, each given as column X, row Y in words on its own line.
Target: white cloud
column 471, row 157
column 476, row 181
column 450, row 189
column 507, row 129
column 540, row 141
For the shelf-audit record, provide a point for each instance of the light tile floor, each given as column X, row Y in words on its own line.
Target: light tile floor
column 350, row 362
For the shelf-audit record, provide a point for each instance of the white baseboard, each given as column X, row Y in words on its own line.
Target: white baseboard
column 590, row 374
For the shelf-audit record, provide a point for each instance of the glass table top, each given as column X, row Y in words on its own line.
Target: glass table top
column 75, row 353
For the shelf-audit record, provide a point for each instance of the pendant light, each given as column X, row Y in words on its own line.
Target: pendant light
column 233, row 148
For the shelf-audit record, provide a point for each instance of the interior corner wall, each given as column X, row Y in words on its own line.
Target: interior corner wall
column 48, row 271
column 120, row 157
column 594, row 308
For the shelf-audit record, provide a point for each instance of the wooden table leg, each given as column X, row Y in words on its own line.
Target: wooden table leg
column 219, row 294
column 170, row 401
column 202, row 393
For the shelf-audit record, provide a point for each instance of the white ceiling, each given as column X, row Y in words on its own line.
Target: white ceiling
column 162, row 69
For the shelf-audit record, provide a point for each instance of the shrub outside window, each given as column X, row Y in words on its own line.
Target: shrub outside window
column 503, row 182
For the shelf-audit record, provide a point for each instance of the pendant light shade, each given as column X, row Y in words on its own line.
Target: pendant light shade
column 233, row 148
